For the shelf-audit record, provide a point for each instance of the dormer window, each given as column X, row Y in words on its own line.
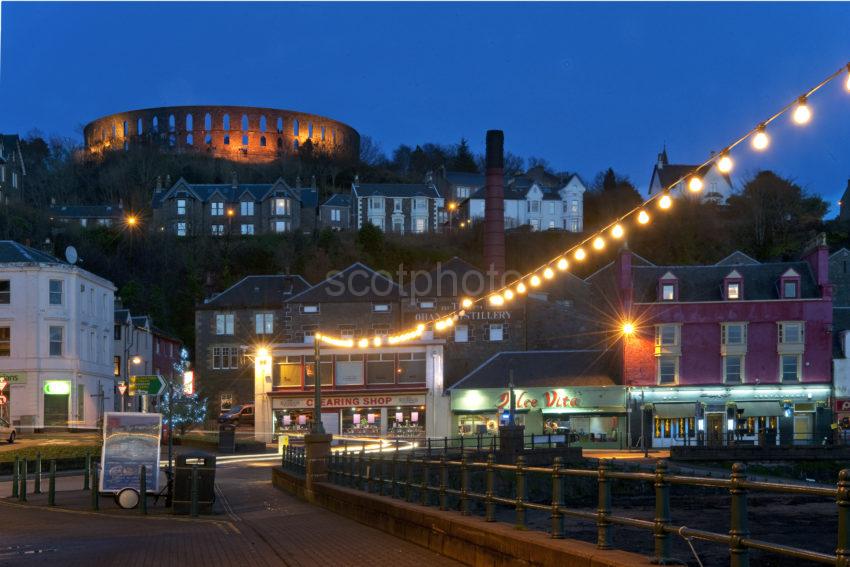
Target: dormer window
column 789, row 285
column 668, row 287
column 733, row 286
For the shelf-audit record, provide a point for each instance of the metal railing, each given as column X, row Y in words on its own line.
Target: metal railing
column 409, row 477
column 294, row 459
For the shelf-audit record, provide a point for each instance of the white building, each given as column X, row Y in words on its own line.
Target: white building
column 665, row 174
column 56, row 325
column 528, row 202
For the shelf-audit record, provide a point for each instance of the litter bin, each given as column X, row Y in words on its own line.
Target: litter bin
column 226, row 438
column 182, row 501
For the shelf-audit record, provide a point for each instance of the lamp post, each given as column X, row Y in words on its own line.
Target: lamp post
column 452, row 207
column 135, row 360
column 512, row 393
column 317, row 426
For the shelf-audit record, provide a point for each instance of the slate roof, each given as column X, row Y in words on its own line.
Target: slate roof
column 548, row 368
column 397, row 190
column 516, row 188
column 87, row 211
column 259, row 291
column 309, row 197
column 465, row 178
column 122, row 315
column 736, row 258
column 671, row 173
column 352, row 285
column 205, row 191
column 705, row 283
column 12, row 252
column 338, row 200
column 141, row 321
column 840, row 322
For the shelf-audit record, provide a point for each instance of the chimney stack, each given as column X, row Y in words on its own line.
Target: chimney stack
column 168, row 181
column 494, row 206
column 233, row 181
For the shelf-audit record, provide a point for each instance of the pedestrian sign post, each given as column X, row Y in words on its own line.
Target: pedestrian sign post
column 152, row 385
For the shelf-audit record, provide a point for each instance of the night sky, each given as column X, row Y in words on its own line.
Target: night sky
column 585, row 86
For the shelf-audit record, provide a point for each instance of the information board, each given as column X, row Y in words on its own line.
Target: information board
column 130, row 440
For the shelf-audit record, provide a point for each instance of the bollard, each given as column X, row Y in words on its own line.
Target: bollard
column 739, row 554
column 663, row 549
column 143, row 490
column 51, row 484
column 193, row 505
column 37, row 487
column 464, row 486
column 22, row 492
column 520, row 493
column 489, row 505
column 603, row 526
column 842, row 552
column 423, row 487
column 95, row 497
column 87, row 471
column 444, row 479
column 408, row 484
column 15, row 476
column 557, row 500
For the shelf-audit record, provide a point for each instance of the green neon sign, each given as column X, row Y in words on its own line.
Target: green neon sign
column 57, row 388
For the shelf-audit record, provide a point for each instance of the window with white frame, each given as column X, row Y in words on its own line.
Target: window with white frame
column 496, row 332
column 224, row 323
column 225, row 358
column 420, row 204
column 462, row 192
column 264, row 323
column 733, row 369
column 535, row 224
column 309, row 336
column 247, row 229
column 246, row 208
column 668, row 292
column 5, row 292
column 667, row 335
column 534, row 206
column 574, row 206
column 217, row 229
column 397, row 205
column 791, row 333
column 376, row 202
column 733, row 334
column 281, row 226
column 346, row 331
column 181, row 229
column 57, row 340
column 336, row 215
column 551, row 207
column 426, row 304
column 789, row 367
column 5, row 341
column 461, row 333
column 733, row 290
column 668, row 369
column 419, row 225
column 181, row 207
column 280, row 206
column 56, row 287
column 217, row 208
column 381, row 307
column 789, row 289
column 310, row 308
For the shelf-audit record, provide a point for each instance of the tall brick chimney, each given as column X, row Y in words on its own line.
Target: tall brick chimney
column 494, row 204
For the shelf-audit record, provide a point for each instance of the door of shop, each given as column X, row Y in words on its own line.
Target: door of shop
column 56, row 410
column 803, row 428
column 715, row 429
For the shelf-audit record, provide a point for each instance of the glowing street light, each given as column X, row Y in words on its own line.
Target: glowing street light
column 628, row 328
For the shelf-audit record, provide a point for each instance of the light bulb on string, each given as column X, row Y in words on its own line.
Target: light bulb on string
column 725, row 163
column 580, row 254
column 363, row 343
column 496, row 300
column 508, row 295
column 617, row 231
column 695, row 184
column 534, row 281
column 466, row 302
column 377, row 341
column 802, row 114
column 598, row 243
column 520, row 288
column 760, row 140
column 563, row 264
column 548, row 273
column 643, row 217
column 665, row 202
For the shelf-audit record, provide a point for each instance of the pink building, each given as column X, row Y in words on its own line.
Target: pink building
column 736, row 351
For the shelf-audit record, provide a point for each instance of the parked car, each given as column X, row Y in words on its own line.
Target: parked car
column 8, row 431
column 239, row 415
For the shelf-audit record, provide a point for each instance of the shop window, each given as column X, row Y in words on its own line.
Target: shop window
column 326, row 369
column 349, row 370
column 362, row 421
column 406, row 422
column 411, row 367
column 289, row 372
column 380, row 369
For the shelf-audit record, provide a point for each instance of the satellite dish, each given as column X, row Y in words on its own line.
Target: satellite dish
column 71, row 254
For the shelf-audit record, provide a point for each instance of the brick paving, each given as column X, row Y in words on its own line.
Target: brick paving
column 257, row 525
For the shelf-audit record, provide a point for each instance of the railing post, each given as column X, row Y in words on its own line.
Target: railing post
column 143, row 490
column 87, row 471
column 37, row 488
column 360, row 458
column 445, row 446
column 842, row 552
column 662, row 514
column 464, row 485
column 22, row 493
column 557, row 500
column 394, row 490
column 739, row 554
column 51, row 485
column 478, row 447
column 603, row 526
column 520, row 493
column 444, row 479
column 370, row 465
column 532, row 441
column 408, row 484
column 95, row 496
column 16, row 471
column 429, row 447
column 423, row 486
column 489, row 505
column 352, row 470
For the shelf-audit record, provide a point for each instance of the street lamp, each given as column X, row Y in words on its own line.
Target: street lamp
column 136, row 360
column 317, row 427
column 452, row 206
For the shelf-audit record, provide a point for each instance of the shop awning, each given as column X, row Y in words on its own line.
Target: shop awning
column 674, row 410
column 760, row 409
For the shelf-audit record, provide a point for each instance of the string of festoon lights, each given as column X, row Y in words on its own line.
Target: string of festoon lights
column 640, row 216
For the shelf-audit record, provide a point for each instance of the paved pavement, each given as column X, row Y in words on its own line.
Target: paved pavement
column 258, row 525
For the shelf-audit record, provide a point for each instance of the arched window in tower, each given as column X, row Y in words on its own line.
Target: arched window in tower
column 208, row 122
column 190, row 140
column 208, row 139
column 226, row 140
column 190, row 123
column 295, row 127
column 279, row 125
column 172, row 140
column 295, row 144
column 333, row 135
column 244, row 122
column 124, row 129
column 113, row 131
column 262, row 141
column 139, row 127
column 310, row 130
column 280, row 143
column 155, row 124
column 102, row 135
column 225, row 122
column 244, row 139
column 262, row 123
column 172, row 123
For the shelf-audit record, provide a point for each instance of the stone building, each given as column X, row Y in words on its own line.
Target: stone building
column 665, row 174
column 402, row 208
column 234, row 209
column 253, row 311
column 12, row 168
column 335, row 213
column 86, row 216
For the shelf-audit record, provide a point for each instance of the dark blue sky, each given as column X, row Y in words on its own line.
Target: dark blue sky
column 585, row 86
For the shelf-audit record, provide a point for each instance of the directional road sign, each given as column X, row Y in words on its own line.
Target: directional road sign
column 146, row 385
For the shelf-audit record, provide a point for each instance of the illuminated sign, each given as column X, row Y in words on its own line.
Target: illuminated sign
column 351, row 401
column 548, row 400
column 189, row 382
column 57, row 388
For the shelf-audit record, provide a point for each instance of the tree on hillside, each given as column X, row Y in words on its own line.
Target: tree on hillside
column 371, row 153
column 773, row 218
column 463, row 160
column 609, row 196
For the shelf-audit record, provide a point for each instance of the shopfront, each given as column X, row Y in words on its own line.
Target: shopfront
column 589, row 416
column 769, row 415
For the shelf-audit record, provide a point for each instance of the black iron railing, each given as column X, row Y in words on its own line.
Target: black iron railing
column 294, row 458
column 427, row 481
